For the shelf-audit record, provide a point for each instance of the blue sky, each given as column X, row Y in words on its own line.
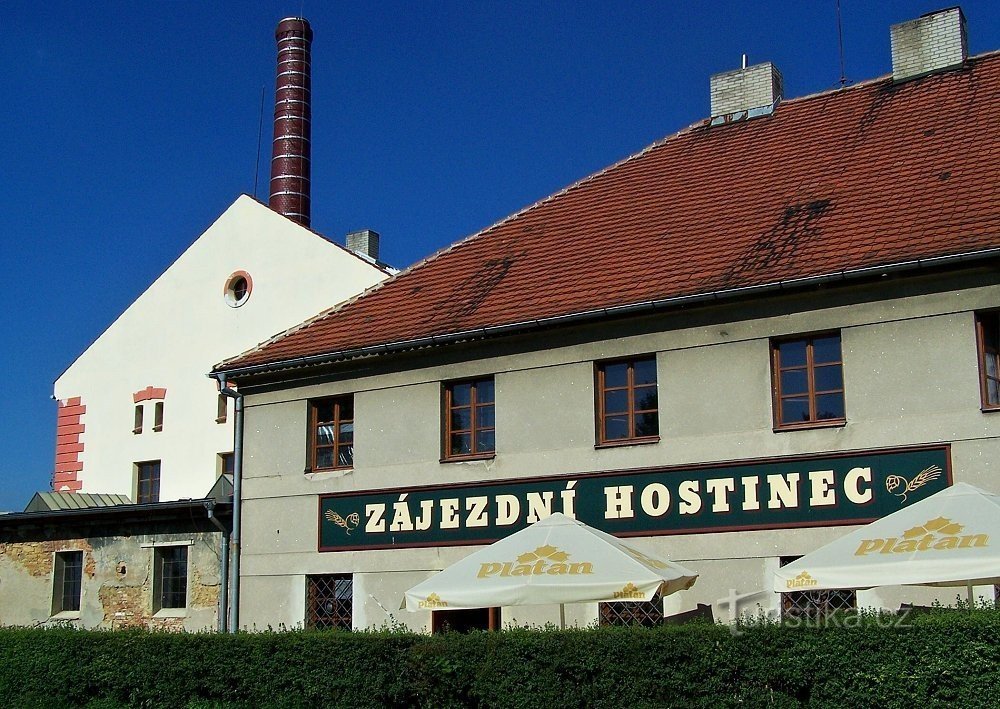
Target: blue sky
column 129, row 127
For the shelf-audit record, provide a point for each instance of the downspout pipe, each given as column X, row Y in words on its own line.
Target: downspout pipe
column 234, row 536
column 224, row 566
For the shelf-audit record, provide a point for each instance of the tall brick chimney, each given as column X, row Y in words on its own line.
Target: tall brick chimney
column 290, row 170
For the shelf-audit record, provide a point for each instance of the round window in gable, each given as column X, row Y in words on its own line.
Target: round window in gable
column 238, row 287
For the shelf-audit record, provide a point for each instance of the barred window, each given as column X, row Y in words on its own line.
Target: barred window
column 170, row 577
column 815, row 605
column 640, row 613
column 67, row 581
column 329, row 601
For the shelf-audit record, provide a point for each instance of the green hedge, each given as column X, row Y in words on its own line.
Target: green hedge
column 938, row 659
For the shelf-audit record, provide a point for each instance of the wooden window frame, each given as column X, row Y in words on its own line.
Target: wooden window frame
column 447, row 390
column 157, row 416
column 63, row 602
column 811, row 393
column 338, row 420
column 222, row 409
column 154, row 482
column 222, row 458
column 600, row 388
column 985, row 351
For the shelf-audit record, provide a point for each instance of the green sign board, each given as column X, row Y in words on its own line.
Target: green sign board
column 843, row 488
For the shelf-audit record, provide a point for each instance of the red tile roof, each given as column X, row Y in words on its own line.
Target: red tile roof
column 871, row 175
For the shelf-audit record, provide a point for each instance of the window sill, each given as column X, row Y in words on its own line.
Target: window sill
column 467, row 458
column 171, row 613
column 991, row 409
column 65, row 615
column 832, row 423
column 649, row 440
column 338, row 469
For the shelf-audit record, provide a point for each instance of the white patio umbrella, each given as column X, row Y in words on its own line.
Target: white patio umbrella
column 947, row 539
column 556, row 560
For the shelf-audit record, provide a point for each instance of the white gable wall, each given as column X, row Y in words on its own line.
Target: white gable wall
column 174, row 333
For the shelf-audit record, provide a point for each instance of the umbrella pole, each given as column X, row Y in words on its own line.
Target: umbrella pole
column 562, row 616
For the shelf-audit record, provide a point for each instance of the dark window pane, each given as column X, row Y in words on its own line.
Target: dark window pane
column 324, row 435
column 826, row 349
column 991, row 330
column 485, row 417
column 828, row 378
column 461, row 419
column 461, row 444
column 484, row 391
column 345, row 456
column 615, row 427
column 993, row 391
column 346, row 432
column 461, row 394
column 324, row 410
column 346, row 405
column 829, row 406
column 794, row 382
column 991, row 365
column 72, row 580
column 645, row 398
column 616, row 402
column 647, row 424
column 616, row 375
column 485, row 441
column 324, row 458
column 644, row 372
column 792, row 354
column 173, row 577
column 794, row 410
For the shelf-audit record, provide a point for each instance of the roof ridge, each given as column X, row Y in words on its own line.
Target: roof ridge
column 677, row 185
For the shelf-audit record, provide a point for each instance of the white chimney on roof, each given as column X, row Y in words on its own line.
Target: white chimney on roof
column 930, row 43
column 745, row 93
column 364, row 242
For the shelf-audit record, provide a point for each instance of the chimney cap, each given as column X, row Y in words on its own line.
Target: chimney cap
column 294, row 24
column 745, row 93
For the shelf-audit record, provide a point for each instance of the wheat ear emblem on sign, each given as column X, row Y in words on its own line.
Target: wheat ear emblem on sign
column 350, row 523
column 894, row 482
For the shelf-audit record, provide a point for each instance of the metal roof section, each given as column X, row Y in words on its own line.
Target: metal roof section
column 52, row 501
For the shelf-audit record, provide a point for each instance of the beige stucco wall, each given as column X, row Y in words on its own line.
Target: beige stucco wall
column 181, row 326
column 911, row 378
column 109, row 599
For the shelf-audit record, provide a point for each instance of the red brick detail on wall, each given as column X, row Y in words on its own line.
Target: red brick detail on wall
column 69, row 426
column 148, row 393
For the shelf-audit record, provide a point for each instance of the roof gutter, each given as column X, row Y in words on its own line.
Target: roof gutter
column 601, row 313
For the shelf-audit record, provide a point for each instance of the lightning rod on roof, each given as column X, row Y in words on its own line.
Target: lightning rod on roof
column 744, row 62
column 840, row 42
